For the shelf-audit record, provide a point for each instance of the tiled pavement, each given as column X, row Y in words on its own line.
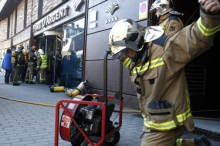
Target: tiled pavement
column 32, row 125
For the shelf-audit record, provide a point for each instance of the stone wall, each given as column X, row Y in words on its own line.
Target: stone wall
column 35, row 10
column 20, row 17
column 49, row 5
column 12, row 25
column 3, row 29
column 29, row 11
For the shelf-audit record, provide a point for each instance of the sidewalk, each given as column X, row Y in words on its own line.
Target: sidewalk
column 33, row 125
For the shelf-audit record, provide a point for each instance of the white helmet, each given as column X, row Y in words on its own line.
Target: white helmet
column 124, row 34
column 162, row 6
column 41, row 51
column 20, row 48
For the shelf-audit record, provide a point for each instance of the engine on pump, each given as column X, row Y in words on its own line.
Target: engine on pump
column 89, row 118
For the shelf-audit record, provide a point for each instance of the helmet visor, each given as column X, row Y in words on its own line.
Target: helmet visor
column 119, row 56
column 118, row 49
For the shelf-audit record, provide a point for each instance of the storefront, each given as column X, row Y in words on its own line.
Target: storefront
column 60, row 34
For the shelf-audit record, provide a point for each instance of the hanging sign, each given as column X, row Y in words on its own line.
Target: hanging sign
column 143, row 7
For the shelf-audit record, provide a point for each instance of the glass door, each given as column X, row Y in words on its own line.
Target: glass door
column 72, row 53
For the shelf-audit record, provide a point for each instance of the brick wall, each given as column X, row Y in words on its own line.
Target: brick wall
column 20, row 17
column 29, row 10
column 35, row 10
column 3, row 29
column 12, row 25
column 50, row 4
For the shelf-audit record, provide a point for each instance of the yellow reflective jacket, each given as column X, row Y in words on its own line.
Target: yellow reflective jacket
column 161, row 84
column 42, row 62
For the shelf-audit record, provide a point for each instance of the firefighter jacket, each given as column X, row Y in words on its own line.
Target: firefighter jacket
column 20, row 60
column 42, row 62
column 32, row 59
column 161, row 84
column 171, row 24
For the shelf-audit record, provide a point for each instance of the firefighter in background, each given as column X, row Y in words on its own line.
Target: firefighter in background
column 58, row 66
column 24, row 67
column 42, row 65
column 13, row 60
column 19, row 62
column 31, row 64
column 157, row 71
column 71, row 65
column 168, row 19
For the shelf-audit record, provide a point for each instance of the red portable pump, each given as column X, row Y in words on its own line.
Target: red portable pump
column 86, row 118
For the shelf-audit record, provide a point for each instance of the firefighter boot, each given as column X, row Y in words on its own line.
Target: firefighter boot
column 202, row 141
column 16, row 84
column 31, row 82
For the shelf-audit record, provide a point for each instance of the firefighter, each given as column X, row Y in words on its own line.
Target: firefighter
column 24, row 67
column 157, row 71
column 168, row 19
column 42, row 65
column 13, row 60
column 32, row 61
column 19, row 62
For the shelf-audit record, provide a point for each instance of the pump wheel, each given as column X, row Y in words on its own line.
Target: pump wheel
column 113, row 140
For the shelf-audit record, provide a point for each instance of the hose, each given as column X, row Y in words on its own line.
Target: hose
column 27, row 102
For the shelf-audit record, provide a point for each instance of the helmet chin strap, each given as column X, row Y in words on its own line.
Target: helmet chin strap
column 143, row 55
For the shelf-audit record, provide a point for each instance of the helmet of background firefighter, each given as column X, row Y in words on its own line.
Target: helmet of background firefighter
column 34, row 47
column 41, row 51
column 19, row 48
column 127, row 33
column 162, row 6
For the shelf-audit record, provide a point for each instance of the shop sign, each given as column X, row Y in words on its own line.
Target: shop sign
column 111, row 9
column 51, row 18
column 76, row 4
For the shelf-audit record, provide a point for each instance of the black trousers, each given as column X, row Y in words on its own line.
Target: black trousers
column 7, row 75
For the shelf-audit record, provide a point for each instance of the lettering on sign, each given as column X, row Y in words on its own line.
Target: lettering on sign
column 50, row 19
column 110, row 20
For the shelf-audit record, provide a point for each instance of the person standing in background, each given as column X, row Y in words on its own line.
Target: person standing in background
column 7, row 65
column 24, row 67
column 32, row 60
column 20, row 61
column 168, row 19
column 13, row 60
column 42, row 65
